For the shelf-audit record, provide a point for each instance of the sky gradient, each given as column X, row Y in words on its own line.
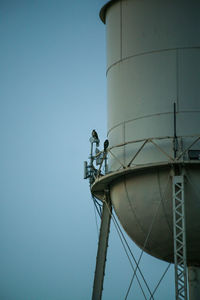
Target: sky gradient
column 53, row 93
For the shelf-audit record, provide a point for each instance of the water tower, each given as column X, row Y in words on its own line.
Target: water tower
column 153, row 76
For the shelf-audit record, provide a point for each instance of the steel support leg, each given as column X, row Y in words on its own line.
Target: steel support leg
column 179, row 238
column 194, row 282
column 102, row 249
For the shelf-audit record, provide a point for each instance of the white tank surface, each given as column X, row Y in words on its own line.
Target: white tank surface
column 153, row 61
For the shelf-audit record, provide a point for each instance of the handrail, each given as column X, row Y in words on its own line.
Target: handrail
column 141, row 147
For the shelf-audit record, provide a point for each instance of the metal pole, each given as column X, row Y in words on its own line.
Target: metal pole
column 175, row 136
column 179, row 238
column 194, row 282
column 106, row 163
column 102, row 248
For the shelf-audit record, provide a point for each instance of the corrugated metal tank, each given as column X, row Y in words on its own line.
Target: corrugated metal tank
column 153, row 60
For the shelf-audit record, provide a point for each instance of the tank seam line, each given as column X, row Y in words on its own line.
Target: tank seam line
column 149, row 116
column 146, row 53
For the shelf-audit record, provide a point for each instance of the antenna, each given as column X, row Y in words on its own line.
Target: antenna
column 175, row 136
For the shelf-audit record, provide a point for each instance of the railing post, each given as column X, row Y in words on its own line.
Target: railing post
column 102, row 248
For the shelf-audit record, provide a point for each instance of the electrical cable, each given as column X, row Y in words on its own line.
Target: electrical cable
column 97, row 206
column 95, row 213
column 97, row 209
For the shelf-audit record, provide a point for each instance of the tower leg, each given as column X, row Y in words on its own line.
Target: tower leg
column 102, row 249
column 194, row 282
column 179, row 238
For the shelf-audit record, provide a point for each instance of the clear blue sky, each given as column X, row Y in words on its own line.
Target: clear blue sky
column 52, row 94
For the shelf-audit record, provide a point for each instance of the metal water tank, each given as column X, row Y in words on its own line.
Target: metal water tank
column 153, row 61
